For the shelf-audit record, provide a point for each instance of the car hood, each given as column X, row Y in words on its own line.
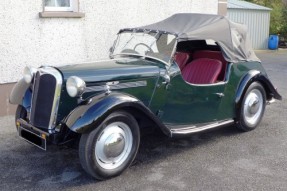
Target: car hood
column 111, row 70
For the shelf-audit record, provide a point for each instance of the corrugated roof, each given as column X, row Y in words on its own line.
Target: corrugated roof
column 237, row 4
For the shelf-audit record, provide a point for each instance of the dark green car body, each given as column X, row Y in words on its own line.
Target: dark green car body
column 142, row 87
column 186, row 74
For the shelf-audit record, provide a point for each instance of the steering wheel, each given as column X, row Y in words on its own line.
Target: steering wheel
column 143, row 44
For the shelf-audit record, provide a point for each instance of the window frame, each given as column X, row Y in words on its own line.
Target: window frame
column 62, row 12
column 72, row 8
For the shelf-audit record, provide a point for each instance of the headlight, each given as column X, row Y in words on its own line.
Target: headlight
column 75, row 86
column 29, row 73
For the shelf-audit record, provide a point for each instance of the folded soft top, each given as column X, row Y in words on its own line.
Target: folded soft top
column 230, row 36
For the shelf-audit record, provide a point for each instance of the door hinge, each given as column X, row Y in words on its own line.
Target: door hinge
column 159, row 113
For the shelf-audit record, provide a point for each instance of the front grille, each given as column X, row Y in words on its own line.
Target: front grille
column 45, row 99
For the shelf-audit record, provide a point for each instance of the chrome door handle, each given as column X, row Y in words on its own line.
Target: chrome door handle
column 166, row 79
column 220, row 94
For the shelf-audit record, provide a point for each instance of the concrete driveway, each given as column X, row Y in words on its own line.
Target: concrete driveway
column 223, row 159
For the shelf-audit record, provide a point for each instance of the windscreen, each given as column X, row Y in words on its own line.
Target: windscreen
column 157, row 45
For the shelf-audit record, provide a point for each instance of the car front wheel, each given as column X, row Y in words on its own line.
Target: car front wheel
column 252, row 107
column 109, row 149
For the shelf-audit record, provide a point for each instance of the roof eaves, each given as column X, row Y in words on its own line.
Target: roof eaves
column 237, row 4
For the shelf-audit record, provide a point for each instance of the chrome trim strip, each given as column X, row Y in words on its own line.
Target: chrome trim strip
column 57, row 94
column 29, row 110
column 207, row 85
column 195, row 129
column 116, row 86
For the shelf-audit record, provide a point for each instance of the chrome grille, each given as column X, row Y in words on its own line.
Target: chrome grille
column 45, row 98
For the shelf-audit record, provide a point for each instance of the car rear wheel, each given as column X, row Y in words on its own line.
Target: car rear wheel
column 109, row 149
column 252, row 107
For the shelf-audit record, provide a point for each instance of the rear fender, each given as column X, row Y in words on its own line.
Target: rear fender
column 92, row 113
column 255, row 76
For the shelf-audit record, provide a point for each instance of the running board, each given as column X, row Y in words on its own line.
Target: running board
column 270, row 101
column 195, row 129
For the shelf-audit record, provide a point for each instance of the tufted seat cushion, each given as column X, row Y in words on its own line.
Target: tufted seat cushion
column 217, row 55
column 202, row 71
column 181, row 59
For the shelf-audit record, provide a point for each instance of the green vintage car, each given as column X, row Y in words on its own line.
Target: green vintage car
column 183, row 75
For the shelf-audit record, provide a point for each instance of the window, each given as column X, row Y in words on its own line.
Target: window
column 58, row 5
column 151, row 44
column 61, row 8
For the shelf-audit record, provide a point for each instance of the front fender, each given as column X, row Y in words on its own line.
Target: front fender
column 21, row 94
column 88, row 116
column 252, row 76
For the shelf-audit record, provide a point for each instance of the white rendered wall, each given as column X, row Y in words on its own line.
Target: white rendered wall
column 26, row 39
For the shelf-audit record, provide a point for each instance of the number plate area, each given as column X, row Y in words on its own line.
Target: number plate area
column 35, row 138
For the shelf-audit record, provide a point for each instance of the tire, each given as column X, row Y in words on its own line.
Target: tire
column 119, row 131
column 252, row 107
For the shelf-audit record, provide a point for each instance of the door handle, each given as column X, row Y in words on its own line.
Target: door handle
column 220, row 94
column 166, row 79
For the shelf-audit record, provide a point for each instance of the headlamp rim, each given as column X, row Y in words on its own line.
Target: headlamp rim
column 77, row 83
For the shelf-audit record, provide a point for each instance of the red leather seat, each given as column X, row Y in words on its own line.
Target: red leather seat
column 181, row 59
column 217, row 55
column 202, row 71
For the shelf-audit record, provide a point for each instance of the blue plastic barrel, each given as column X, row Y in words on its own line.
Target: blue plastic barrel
column 273, row 42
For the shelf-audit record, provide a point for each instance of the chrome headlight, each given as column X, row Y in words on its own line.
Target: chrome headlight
column 28, row 74
column 75, row 86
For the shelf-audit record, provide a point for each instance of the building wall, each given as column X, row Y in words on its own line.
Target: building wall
column 257, row 21
column 27, row 39
column 222, row 7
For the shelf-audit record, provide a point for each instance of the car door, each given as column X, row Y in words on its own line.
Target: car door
column 189, row 104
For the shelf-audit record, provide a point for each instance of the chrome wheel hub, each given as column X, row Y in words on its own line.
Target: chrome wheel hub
column 253, row 107
column 113, row 145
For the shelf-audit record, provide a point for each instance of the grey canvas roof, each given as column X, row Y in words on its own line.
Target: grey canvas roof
column 231, row 37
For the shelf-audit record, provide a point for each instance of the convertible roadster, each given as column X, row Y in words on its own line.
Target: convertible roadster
column 183, row 75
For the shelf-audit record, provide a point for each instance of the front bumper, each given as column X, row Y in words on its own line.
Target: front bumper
column 32, row 134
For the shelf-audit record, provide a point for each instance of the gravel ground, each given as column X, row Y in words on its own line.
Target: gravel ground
column 222, row 159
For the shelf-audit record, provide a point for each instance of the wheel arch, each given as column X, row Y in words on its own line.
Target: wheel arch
column 248, row 79
column 86, row 118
